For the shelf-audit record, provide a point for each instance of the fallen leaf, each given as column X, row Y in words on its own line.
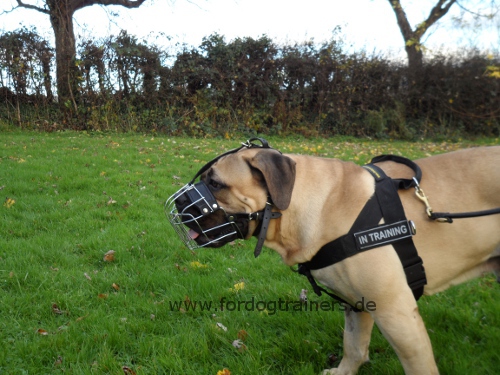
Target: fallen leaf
column 56, row 310
column 237, row 287
column 115, row 286
column 63, row 327
column 102, row 296
column 221, row 326
column 58, row 361
column 111, row 201
column 238, row 344
column 109, row 256
column 303, row 296
column 128, row 370
column 242, row 335
column 87, row 276
column 42, row 332
column 9, row 202
column 197, row 264
column 224, row 372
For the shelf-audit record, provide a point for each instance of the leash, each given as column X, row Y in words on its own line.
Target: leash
column 447, row 217
column 441, row 217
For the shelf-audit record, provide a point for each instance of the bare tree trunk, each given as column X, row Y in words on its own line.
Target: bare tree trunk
column 61, row 18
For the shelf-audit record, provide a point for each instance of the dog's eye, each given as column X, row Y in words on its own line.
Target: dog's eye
column 215, row 185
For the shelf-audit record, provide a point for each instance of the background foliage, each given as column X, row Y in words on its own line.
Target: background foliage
column 249, row 85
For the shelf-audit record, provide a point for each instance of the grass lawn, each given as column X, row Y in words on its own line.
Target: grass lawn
column 69, row 305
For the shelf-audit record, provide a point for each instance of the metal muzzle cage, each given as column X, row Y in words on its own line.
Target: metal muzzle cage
column 188, row 207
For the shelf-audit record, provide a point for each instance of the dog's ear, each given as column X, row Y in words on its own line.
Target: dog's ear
column 279, row 174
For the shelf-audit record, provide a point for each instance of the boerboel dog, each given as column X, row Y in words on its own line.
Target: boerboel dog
column 320, row 198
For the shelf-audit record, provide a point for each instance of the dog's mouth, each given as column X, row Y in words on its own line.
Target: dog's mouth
column 214, row 240
column 193, row 234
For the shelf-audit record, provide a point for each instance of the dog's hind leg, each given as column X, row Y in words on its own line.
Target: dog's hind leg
column 357, row 333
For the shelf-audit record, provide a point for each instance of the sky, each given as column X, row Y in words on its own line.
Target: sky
column 368, row 25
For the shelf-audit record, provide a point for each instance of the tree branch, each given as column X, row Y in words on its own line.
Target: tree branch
column 441, row 8
column 403, row 23
column 78, row 4
column 34, row 7
column 490, row 15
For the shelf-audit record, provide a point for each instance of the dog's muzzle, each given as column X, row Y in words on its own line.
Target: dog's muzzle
column 198, row 219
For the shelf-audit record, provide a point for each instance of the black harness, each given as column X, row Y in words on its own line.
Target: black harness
column 366, row 233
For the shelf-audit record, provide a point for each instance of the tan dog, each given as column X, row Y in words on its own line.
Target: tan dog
column 319, row 199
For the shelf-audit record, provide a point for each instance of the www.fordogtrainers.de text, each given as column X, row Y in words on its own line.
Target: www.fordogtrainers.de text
column 270, row 307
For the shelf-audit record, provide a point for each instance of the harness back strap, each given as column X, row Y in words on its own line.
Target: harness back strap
column 385, row 203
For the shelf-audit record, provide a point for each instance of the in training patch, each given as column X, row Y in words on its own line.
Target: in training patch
column 384, row 234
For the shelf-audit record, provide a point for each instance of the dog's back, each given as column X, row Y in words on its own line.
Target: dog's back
column 462, row 181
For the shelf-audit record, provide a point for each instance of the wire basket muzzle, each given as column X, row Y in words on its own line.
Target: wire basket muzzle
column 188, row 212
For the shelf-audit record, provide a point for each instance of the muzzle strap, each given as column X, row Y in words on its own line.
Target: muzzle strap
column 247, row 144
column 268, row 215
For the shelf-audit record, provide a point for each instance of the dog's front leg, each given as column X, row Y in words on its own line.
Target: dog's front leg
column 357, row 333
column 404, row 328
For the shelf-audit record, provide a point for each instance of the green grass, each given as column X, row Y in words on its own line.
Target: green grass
column 79, row 195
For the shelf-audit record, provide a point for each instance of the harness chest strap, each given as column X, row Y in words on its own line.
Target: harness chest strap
column 366, row 233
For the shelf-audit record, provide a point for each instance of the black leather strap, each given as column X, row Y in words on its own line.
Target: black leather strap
column 248, row 144
column 448, row 217
column 264, row 225
column 401, row 183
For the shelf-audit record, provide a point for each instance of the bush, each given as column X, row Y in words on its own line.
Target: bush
column 253, row 86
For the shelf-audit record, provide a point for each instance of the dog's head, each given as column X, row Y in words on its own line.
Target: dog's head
column 229, row 200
